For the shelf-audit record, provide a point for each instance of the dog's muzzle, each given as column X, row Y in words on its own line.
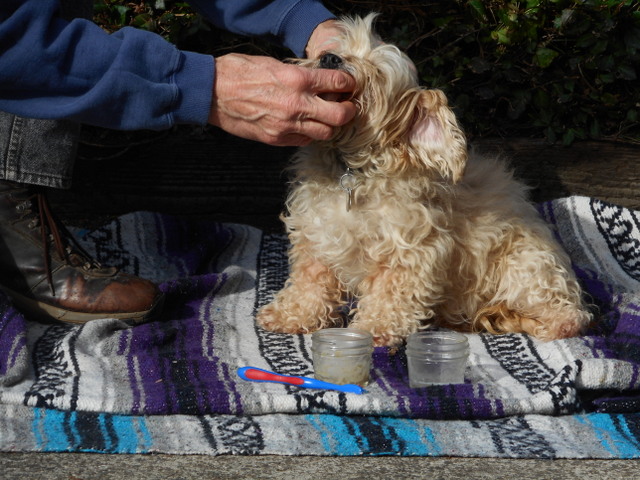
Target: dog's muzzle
column 330, row 61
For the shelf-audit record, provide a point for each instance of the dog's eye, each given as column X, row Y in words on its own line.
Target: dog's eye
column 331, row 61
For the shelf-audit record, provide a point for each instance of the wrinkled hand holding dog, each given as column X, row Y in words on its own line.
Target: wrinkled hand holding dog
column 263, row 99
column 428, row 235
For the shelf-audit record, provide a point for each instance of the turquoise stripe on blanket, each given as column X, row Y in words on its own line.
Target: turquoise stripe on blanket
column 614, row 434
column 58, row 431
column 49, row 432
column 129, row 434
column 593, row 435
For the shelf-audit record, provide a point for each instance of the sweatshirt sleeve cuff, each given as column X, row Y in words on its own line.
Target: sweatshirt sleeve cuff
column 300, row 22
column 194, row 82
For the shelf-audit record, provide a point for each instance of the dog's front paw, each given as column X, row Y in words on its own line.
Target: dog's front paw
column 283, row 317
column 272, row 318
column 382, row 335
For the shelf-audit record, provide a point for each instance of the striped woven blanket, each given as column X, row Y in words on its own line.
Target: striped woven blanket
column 171, row 385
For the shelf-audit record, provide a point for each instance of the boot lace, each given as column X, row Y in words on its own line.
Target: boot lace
column 54, row 232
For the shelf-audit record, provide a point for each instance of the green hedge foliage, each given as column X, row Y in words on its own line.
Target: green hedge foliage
column 560, row 69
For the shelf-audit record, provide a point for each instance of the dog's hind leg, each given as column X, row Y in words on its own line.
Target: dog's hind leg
column 537, row 294
column 537, row 321
column 309, row 301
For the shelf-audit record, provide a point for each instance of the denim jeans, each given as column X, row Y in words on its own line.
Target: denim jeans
column 41, row 152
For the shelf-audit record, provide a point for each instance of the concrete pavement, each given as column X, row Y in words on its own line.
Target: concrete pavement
column 76, row 466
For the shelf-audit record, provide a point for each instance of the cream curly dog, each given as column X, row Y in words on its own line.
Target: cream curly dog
column 392, row 217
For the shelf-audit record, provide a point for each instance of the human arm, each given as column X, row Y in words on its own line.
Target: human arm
column 132, row 79
column 289, row 23
column 280, row 104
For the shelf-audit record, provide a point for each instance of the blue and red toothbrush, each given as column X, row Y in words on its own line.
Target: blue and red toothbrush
column 254, row 374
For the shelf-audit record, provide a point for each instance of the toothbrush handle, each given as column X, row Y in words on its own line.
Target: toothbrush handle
column 259, row 375
column 347, row 388
column 254, row 374
column 314, row 383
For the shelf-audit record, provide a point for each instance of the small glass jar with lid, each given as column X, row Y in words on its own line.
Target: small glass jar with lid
column 342, row 355
column 436, row 357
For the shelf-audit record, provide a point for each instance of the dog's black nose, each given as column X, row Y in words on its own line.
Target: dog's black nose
column 330, row 60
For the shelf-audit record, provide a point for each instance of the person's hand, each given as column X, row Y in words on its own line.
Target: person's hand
column 262, row 99
column 323, row 38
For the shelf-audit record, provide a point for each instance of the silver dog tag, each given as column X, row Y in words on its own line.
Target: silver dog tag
column 348, row 183
column 349, row 199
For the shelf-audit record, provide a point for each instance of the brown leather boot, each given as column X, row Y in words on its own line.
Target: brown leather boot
column 49, row 276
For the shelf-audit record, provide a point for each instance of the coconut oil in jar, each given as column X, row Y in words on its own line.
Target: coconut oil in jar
column 342, row 355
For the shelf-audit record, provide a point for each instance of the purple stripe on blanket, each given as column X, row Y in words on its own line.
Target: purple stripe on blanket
column 624, row 342
column 166, row 364
column 13, row 340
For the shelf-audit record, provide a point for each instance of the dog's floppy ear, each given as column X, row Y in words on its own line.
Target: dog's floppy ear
column 435, row 133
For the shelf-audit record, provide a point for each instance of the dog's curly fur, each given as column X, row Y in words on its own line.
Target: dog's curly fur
column 433, row 236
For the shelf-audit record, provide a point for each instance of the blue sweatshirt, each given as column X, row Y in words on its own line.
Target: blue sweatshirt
column 131, row 79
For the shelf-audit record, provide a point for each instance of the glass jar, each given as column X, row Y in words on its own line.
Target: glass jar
column 342, row 355
column 436, row 357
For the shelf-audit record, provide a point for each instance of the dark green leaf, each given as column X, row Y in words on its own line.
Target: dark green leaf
column 627, row 72
column 544, row 56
